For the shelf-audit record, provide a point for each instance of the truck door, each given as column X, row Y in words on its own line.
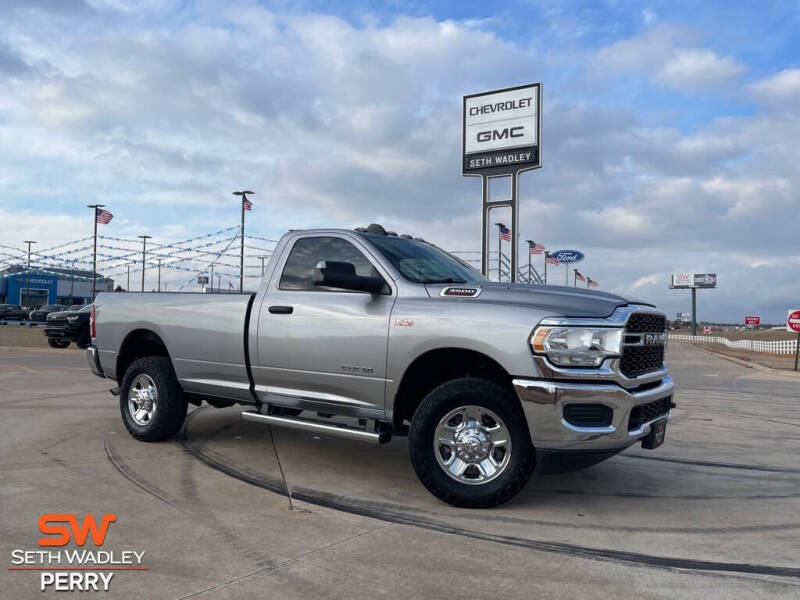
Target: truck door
column 323, row 348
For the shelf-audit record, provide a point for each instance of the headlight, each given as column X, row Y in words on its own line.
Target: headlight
column 577, row 346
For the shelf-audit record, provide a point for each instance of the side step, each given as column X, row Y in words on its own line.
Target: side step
column 306, row 425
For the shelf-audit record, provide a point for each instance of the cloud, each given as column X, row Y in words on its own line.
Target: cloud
column 161, row 111
column 781, row 87
column 670, row 57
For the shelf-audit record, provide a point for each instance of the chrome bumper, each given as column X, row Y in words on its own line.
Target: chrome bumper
column 543, row 403
column 93, row 359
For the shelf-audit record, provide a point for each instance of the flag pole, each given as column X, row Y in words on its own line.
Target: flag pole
column 94, row 208
column 546, row 254
column 243, row 194
column 530, row 276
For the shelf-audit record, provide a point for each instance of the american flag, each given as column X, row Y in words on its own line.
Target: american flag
column 549, row 259
column 103, row 216
column 246, row 204
column 579, row 276
column 592, row 283
column 535, row 247
column 505, row 232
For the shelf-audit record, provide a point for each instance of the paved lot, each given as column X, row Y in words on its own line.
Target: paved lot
column 711, row 514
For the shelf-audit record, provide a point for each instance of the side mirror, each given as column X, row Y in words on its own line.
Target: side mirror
column 342, row 275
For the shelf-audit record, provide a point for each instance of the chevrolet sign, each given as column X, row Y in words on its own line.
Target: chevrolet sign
column 501, row 130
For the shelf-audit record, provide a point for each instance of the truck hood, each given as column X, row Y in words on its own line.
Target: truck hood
column 553, row 299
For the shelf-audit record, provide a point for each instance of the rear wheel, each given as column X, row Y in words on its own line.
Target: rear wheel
column 151, row 401
column 470, row 444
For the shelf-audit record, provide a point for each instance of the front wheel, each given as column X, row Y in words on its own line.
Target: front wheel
column 151, row 401
column 54, row 343
column 470, row 445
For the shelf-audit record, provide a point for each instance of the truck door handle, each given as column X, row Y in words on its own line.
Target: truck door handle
column 281, row 310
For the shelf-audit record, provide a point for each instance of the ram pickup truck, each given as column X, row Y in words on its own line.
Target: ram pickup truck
column 367, row 335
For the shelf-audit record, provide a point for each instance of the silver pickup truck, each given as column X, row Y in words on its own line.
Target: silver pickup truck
column 366, row 334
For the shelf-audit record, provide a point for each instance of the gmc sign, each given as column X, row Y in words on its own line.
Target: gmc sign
column 501, row 131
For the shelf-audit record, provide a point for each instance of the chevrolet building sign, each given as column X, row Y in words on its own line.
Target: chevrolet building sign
column 501, row 131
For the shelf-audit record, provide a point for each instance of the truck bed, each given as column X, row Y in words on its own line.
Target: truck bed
column 205, row 334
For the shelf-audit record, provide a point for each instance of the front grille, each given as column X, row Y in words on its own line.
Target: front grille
column 588, row 415
column 57, row 321
column 646, row 323
column 645, row 413
column 640, row 359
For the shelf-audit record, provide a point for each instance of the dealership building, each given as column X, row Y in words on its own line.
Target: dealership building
column 37, row 287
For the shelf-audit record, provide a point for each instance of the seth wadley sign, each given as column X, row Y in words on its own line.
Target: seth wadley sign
column 501, row 130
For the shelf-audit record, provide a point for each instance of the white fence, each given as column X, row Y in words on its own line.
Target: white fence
column 779, row 347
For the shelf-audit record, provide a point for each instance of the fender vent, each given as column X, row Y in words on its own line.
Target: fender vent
column 461, row 292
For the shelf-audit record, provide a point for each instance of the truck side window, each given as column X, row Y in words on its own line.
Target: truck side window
column 298, row 272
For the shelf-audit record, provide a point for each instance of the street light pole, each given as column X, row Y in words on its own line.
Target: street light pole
column 159, row 274
column 144, row 253
column 28, row 272
column 128, row 287
column 94, row 208
column 243, row 194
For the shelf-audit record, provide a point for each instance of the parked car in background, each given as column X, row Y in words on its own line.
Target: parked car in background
column 62, row 328
column 40, row 314
column 12, row 311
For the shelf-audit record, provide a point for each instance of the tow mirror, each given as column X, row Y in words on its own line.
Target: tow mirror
column 342, row 275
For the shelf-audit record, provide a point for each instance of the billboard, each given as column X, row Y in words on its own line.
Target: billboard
column 752, row 320
column 501, row 131
column 693, row 280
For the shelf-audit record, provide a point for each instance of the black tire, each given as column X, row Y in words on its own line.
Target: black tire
column 171, row 405
column 83, row 340
column 448, row 397
column 54, row 343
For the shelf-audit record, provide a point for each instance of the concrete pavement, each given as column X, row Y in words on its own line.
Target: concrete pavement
column 234, row 509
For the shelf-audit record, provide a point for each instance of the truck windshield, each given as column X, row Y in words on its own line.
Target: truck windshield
column 421, row 262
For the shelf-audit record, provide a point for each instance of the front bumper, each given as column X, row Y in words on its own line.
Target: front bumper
column 93, row 358
column 543, row 403
column 62, row 332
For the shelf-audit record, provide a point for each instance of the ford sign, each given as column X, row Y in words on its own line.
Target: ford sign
column 567, row 256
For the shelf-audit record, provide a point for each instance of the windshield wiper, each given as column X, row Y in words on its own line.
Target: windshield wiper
column 445, row 280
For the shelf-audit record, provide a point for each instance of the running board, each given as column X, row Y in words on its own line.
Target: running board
column 306, row 425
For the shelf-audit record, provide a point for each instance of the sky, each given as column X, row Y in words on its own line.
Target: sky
column 669, row 137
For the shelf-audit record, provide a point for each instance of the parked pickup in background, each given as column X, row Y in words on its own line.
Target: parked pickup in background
column 67, row 326
column 366, row 334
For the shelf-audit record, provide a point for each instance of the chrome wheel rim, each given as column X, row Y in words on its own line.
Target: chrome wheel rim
column 142, row 399
column 472, row 445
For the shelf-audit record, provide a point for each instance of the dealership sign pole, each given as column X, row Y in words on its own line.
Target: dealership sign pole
column 501, row 136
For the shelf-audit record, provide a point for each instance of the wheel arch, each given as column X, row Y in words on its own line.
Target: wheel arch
column 435, row 367
column 137, row 344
